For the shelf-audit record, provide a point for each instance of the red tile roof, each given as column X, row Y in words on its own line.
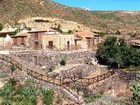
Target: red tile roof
column 84, row 34
column 24, row 34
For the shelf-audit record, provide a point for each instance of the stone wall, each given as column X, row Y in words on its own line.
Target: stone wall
column 113, row 86
column 82, row 70
column 53, row 58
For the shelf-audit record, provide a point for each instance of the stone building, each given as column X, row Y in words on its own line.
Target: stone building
column 21, row 39
column 86, row 40
column 5, row 38
column 135, row 41
column 54, row 40
column 38, row 40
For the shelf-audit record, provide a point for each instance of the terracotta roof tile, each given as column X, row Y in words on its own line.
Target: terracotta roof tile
column 25, row 34
column 84, row 34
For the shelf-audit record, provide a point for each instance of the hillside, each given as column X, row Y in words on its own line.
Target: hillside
column 13, row 10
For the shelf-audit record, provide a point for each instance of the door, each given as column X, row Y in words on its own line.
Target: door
column 51, row 44
column 68, row 44
column 36, row 36
column 22, row 41
column 36, row 46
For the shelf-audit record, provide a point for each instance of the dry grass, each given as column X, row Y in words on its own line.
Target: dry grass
column 13, row 10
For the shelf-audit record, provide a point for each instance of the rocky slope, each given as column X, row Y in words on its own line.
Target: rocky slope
column 13, row 10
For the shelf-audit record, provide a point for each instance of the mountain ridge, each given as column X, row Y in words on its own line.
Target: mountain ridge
column 13, row 10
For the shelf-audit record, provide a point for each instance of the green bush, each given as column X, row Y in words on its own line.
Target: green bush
column 13, row 67
column 1, row 26
column 135, row 100
column 47, row 96
column 89, row 99
column 25, row 94
column 117, row 54
column 62, row 62
column 12, row 94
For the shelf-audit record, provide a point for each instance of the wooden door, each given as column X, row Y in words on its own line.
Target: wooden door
column 22, row 41
column 36, row 46
column 51, row 44
column 68, row 44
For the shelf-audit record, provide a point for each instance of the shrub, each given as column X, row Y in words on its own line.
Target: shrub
column 70, row 31
column 1, row 26
column 92, row 98
column 136, row 91
column 117, row 54
column 62, row 62
column 13, row 67
column 47, row 96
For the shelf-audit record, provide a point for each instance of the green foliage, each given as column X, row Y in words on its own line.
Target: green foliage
column 63, row 62
column 89, row 99
column 3, row 75
column 25, row 94
column 47, row 96
column 1, row 26
column 136, row 91
column 7, row 92
column 117, row 54
column 70, row 31
column 13, row 67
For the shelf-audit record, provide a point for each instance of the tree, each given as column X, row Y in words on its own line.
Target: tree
column 117, row 54
column 108, row 52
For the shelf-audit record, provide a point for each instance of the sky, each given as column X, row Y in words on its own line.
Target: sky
column 129, row 5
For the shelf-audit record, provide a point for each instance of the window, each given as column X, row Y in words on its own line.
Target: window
column 15, row 41
column 68, row 44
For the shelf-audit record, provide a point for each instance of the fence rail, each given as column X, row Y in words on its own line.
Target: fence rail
column 56, row 81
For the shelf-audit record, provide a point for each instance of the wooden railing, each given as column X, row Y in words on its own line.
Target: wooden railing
column 56, row 81
column 96, row 79
column 37, row 75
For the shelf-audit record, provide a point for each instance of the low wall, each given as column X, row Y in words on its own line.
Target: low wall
column 53, row 58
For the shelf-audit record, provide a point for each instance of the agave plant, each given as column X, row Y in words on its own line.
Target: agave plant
column 136, row 91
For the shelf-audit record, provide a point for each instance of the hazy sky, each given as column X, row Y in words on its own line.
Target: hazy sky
column 131, row 5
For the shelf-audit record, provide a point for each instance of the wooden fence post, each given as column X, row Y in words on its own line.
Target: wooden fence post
column 60, row 81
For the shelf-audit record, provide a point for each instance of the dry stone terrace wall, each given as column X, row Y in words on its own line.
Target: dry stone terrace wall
column 53, row 58
column 82, row 70
column 113, row 86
